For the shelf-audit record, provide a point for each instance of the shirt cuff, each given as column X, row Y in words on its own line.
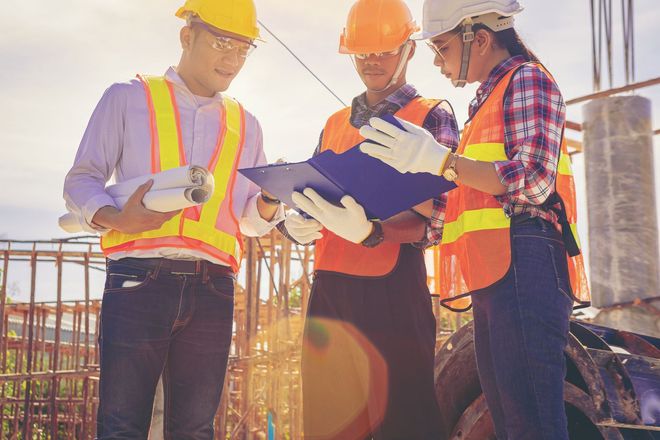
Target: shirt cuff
column 252, row 225
column 512, row 176
column 91, row 207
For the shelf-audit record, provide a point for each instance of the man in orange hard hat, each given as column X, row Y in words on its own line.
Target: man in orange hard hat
column 169, row 293
column 369, row 339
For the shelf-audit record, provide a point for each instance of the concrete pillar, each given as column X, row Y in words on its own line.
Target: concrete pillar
column 623, row 234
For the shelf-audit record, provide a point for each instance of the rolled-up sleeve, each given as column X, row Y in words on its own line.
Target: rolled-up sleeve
column 534, row 115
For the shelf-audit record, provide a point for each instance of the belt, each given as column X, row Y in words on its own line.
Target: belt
column 179, row 267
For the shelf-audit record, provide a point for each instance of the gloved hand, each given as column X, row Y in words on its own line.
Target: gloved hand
column 349, row 222
column 413, row 150
column 303, row 230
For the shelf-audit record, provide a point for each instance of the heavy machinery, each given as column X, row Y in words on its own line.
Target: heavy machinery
column 612, row 387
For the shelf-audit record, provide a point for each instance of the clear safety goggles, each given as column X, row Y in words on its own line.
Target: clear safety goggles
column 225, row 44
column 379, row 55
column 439, row 50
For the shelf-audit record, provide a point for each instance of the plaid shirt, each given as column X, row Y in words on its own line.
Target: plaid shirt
column 534, row 117
column 440, row 122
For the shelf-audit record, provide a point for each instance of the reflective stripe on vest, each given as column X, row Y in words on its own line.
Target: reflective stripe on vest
column 475, row 251
column 212, row 228
column 333, row 253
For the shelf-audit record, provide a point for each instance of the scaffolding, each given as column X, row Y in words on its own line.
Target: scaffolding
column 49, row 363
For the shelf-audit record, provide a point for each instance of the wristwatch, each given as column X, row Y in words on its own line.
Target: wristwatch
column 376, row 237
column 450, row 173
column 270, row 200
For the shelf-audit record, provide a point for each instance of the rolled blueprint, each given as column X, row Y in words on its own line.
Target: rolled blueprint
column 174, row 189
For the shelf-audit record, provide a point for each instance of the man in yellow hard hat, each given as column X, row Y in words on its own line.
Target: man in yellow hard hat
column 369, row 340
column 168, row 299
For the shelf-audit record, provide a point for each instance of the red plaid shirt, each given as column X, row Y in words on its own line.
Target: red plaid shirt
column 534, row 117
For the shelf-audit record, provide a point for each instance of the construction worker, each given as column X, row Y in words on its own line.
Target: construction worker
column 168, row 299
column 509, row 238
column 370, row 302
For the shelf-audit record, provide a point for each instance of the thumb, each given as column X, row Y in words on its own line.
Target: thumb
column 139, row 193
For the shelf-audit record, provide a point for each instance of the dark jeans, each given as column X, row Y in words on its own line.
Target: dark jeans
column 368, row 354
column 179, row 325
column 521, row 330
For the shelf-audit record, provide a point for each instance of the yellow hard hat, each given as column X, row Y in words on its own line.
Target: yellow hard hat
column 376, row 26
column 235, row 16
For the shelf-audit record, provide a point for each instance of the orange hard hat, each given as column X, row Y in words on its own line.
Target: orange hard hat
column 376, row 26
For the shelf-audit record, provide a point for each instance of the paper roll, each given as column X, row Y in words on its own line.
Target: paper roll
column 174, row 189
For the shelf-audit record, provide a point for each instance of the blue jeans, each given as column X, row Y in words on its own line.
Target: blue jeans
column 157, row 322
column 521, row 330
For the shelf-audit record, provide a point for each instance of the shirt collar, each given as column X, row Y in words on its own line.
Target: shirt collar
column 494, row 77
column 361, row 112
column 172, row 76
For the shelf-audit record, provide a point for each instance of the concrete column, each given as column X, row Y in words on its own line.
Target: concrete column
column 623, row 235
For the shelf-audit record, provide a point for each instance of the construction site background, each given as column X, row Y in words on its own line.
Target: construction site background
column 49, row 359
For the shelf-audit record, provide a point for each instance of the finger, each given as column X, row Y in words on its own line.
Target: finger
column 139, row 193
column 309, row 237
column 377, row 136
column 386, row 127
column 350, row 204
column 319, row 201
column 306, row 204
column 377, row 151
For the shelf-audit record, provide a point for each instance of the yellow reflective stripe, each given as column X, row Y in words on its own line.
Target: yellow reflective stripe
column 204, row 230
column 575, row 234
column 564, row 167
column 225, row 164
column 486, row 152
column 475, row 220
column 218, row 239
column 166, row 123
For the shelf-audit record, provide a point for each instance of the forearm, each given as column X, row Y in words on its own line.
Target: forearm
column 108, row 217
column 478, row 175
column 406, row 227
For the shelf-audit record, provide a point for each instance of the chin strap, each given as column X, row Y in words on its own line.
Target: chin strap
column 399, row 68
column 468, row 38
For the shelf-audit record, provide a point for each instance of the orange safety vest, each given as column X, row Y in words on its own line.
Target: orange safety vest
column 212, row 228
column 333, row 253
column 475, row 251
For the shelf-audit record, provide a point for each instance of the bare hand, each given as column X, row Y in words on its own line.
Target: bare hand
column 135, row 218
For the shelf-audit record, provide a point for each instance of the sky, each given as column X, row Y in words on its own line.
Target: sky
column 59, row 57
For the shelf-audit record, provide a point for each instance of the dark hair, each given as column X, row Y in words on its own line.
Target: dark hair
column 510, row 40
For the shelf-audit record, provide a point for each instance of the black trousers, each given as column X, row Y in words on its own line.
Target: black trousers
column 368, row 353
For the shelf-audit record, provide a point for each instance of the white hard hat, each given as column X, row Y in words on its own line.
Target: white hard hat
column 442, row 16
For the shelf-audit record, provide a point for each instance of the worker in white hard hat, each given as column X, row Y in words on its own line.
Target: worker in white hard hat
column 169, row 294
column 369, row 341
column 509, row 247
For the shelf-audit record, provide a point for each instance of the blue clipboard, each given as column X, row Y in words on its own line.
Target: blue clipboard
column 379, row 188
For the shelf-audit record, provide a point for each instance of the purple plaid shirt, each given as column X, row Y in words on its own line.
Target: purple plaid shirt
column 440, row 122
column 534, row 117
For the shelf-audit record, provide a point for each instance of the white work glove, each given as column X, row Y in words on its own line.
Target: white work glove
column 303, row 230
column 349, row 222
column 411, row 151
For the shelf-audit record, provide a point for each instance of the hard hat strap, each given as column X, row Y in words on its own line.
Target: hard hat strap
column 468, row 37
column 407, row 47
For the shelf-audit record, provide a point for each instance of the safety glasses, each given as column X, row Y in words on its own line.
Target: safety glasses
column 440, row 50
column 379, row 55
column 225, row 44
